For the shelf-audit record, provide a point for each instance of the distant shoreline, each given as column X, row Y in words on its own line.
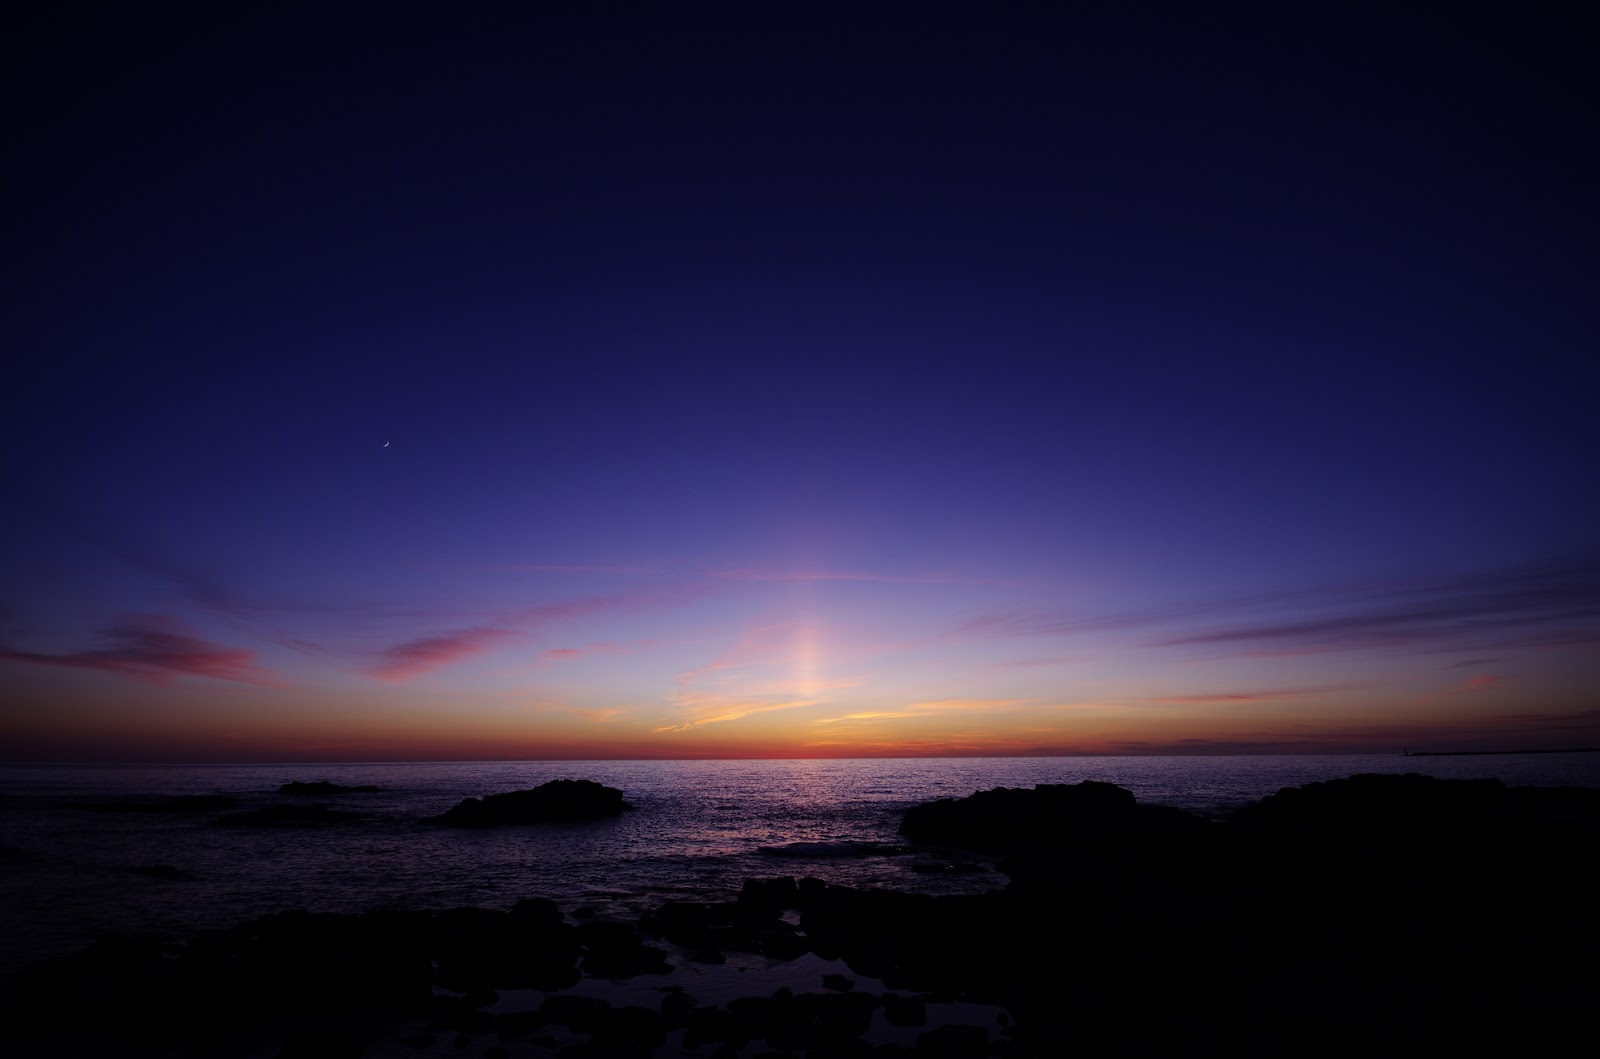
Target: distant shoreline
column 1482, row 753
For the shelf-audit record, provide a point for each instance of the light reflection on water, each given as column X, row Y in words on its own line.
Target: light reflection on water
column 698, row 829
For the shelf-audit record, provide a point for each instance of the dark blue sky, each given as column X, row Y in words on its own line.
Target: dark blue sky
column 780, row 365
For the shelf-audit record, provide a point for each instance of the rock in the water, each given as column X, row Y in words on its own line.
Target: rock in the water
column 1007, row 816
column 1406, row 805
column 553, row 801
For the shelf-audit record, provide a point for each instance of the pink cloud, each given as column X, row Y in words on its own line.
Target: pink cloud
column 1485, row 681
column 571, row 654
column 153, row 649
column 416, row 657
column 529, row 617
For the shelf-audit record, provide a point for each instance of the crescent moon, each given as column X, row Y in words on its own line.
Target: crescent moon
column 385, row 444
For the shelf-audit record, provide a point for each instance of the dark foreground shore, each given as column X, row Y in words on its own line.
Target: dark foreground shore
column 1379, row 915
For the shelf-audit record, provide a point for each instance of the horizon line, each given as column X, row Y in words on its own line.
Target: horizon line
column 153, row 762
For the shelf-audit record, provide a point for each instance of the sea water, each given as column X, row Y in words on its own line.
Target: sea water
column 70, row 872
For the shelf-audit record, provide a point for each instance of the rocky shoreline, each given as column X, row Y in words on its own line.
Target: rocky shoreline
column 1377, row 915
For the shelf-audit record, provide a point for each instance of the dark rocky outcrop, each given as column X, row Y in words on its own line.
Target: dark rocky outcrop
column 554, row 801
column 1419, row 913
column 1009, row 818
column 1376, row 916
column 325, row 787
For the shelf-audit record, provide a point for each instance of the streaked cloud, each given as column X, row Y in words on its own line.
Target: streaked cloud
column 1537, row 606
column 875, row 715
column 716, row 709
column 1555, row 604
column 932, row 708
column 413, row 658
column 573, row 654
column 419, row 655
column 942, row 705
column 1580, row 720
column 601, row 716
column 1486, row 681
column 154, row 649
column 1223, row 697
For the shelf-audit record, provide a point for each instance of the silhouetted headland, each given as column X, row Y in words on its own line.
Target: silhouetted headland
column 1488, row 753
column 554, row 801
column 1380, row 915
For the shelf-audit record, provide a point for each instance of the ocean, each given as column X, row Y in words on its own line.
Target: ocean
column 74, row 866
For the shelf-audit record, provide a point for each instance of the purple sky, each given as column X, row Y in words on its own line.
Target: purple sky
column 519, row 382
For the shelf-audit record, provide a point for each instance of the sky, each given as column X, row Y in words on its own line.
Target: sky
column 671, row 381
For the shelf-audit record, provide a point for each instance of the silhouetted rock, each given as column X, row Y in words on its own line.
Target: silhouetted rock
column 525, row 948
column 554, row 801
column 1380, row 916
column 953, row 1042
column 1058, row 830
column 578, row 1012
column 322, row 1044
column 326, row 787
column 1007, row 816
column 904, row 1010
column 617, row 950
column 768, row 897
column 1376, row 804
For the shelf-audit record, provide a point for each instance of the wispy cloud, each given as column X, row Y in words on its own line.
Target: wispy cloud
column 154, row 649
column 1549, row 605
column 1579, row 720
column 415, row 657
column 572, row 654
column 759, row 645
column 945, row 705
column 930, row 708
column 1486, row 681
column 1226, row 746
column 716, row 709
column 875, row 715
column 1552, row 605
column 1223, row 697
column 603, row 715
column 769, row 668
column 419, row 655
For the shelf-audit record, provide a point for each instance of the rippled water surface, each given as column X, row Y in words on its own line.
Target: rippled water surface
column 698, row 829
